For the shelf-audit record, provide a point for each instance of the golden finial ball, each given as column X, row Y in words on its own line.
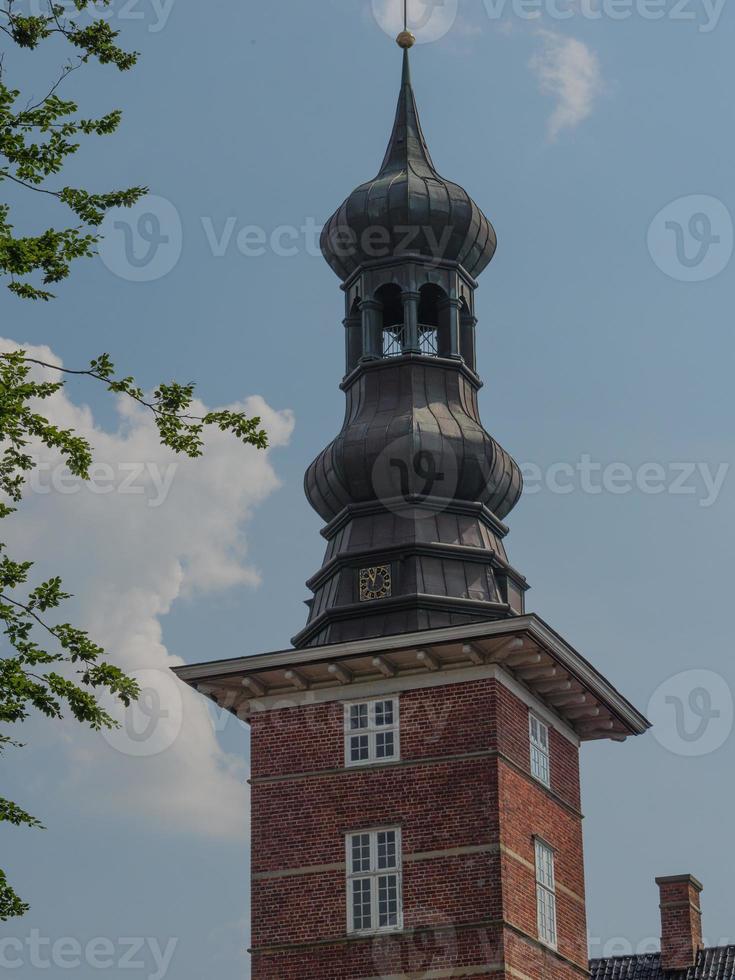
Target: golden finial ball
column 406, row 39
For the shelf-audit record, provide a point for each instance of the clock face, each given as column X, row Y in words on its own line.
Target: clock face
column 375, row 583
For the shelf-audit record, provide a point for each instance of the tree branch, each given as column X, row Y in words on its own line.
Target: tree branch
column 29, row 612
column 99, row 377
column 67, row 70
column 30, row 187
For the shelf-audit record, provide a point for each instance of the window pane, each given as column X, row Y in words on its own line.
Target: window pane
column 547, row 915
column 383, row 713
column 540, row 764
column 387, row 849
column 387, row 900
column 371, row 732
column 545, row 865
column 359, row 748
column 543, row 736
column 373, row 882
column 385, row 745
column 543, row 922
column 361, row 916
column 360, row 852
column 358, row 716
column 539, row 733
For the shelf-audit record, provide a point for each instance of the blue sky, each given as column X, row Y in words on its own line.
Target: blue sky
column 601, row 146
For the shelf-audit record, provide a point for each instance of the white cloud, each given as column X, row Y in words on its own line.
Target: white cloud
column 569, row 71
column 129, row 551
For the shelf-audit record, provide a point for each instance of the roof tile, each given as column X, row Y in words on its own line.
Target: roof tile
column 716, row 963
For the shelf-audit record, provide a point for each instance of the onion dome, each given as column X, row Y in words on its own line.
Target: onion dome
column 408, row 209
column 413, row 410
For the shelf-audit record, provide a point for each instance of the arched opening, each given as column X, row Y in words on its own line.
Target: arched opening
column 392, row 321
column 353, row 335
column 467, row 324
column 433, row 321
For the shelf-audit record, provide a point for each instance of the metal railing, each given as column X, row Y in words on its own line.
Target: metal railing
column 394, row 340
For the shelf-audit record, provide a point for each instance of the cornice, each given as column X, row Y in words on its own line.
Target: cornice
column 525, row 646
column 401, row 603
column 479, row 556
column 396, row 505
column 409, row 258
column 431, row 360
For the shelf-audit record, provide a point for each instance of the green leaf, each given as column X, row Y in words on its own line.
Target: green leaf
column 10, row 905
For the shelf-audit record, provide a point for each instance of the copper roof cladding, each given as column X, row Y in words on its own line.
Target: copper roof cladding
column 412, row 208
column 525, row 649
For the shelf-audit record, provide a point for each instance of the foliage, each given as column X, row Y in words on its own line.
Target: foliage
column 51, row 666
column 37, row 138
column 63, row 672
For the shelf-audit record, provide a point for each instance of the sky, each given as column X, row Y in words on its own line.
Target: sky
column 598, row 136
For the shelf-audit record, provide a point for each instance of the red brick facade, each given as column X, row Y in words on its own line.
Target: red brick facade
column 681, row 921
column 469, row 812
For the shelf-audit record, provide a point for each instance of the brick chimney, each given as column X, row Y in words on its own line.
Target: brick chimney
column 681, row 921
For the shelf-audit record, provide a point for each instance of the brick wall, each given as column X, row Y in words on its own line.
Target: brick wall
column 526, row 811
column 476, row 950
column 681, row 921
column 462, row 788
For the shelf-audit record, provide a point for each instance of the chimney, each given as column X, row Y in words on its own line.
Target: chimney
column 681, row 921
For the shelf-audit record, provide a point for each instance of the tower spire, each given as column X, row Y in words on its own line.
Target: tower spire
column 407, row 148
column 413, row 489
column 408, row 195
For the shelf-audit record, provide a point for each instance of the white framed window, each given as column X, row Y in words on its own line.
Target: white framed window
column 540, row 756
column 374, row 880
column 371, row 731
column 546, row 893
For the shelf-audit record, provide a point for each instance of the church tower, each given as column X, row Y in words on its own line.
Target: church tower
column 415, row 756
column 413, row 489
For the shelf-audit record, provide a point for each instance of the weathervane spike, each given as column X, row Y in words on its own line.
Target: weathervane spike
column 405, row 39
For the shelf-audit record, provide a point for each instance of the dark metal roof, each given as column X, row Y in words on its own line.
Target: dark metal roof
column 413, row 486
column 409, row 206
column 424, row 405
column 712, row 964
column 436, row 527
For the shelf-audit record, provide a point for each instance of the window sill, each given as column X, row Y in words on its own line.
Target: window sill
column 371, row 763
column 384, row 931
column 554, row 947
